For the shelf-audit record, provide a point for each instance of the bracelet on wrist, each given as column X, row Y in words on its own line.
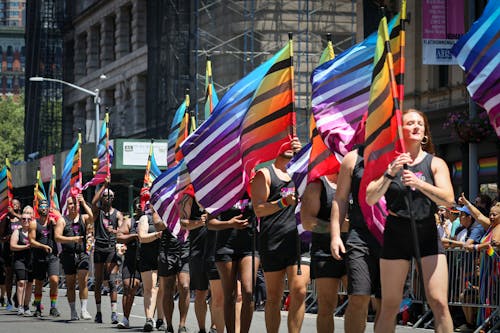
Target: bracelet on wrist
column 388, row 175
column 476, row 247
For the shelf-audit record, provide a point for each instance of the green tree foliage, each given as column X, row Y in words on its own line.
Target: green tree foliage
column 11, row 128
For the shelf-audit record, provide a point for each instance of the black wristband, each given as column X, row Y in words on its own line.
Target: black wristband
column 388, row 176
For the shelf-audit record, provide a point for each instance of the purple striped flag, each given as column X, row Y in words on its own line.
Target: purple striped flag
column 478, row 53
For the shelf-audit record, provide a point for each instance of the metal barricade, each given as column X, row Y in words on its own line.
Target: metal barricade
column 473, row 281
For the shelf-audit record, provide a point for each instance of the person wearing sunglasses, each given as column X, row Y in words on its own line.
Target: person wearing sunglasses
column 107, row 220
column 72, row 232
column 21, row 249
column 46, row 262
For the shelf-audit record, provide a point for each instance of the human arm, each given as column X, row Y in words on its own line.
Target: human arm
column 124, row 236
column 144, row 235
column 157, row 221
column 13, row 242
column 341, row 203
column 235, row 222
column 32, row 237
column 88, row 216
column 310, row 208
column 259, row 189
column 13, row 212
column 476, row 213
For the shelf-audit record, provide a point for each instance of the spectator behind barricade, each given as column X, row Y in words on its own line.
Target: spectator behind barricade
column 454, row 216
column 470, row 231
column 443, row 222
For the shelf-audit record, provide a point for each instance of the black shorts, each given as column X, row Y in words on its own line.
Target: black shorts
column 212, row 272
column 277, row 261
column 128, row 270
column 237, row 248
column 172, row 262
column 6, row 255
column 198, row 275
column 148, row 263
column 362, row 264
column 327, row 268
column 105, row 255
column 23, row 271
column 44, row 267
column 73, row 262
column 398, row 240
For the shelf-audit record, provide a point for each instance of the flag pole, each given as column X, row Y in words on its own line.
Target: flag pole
column 294, row 134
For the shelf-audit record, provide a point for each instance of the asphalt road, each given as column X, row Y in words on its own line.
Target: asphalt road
column 10, row 322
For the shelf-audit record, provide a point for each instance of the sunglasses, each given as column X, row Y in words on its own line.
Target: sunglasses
column 44, row 206
column 26, row 219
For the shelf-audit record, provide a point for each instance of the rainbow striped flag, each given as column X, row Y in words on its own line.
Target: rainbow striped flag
column 383, row 137
column 340, row 95
column 165, row 192
column 211, row 98
column 178, row 132
column 249, row 125
column 71, row 178
column 38, row 192
column 151, row 173
column 478, row 53
column 6, row 189
column 104, row 155
column 53, row 199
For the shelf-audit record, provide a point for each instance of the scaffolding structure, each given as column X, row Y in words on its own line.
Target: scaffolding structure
column 43, row 120
column 239, row 35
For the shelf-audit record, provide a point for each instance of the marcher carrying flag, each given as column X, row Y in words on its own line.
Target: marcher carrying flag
column 71, row 178
column 249, row 125
column 39, row 193
column 104, row 156
column 53, row 199
column 152, row 172
column 478, row 53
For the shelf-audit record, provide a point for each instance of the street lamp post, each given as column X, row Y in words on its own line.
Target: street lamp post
column 95, row 94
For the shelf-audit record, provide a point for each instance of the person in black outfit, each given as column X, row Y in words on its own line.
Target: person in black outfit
column 107, row 220
column 273, row 197
column 72, row 232
column 21, row 249
column 361, row 248
column 10, row 223
column 173, row 264
column 315, row 216
column 131, row 278
column 201, row 267
column 149, row 240
column 428, row 179
column 41, row 237
column 233, row 251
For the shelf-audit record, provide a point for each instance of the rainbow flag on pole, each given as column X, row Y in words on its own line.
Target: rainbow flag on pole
column 104, row 156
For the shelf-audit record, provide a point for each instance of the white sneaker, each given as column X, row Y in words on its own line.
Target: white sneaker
column 86, row 315
column 20, row 311
column 27, row 313
column 123, row 324
column 74, row 316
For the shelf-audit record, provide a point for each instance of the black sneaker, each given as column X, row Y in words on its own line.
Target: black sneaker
column 160, row 326
column 148, row 326
column 169, row 329
column 98, row 318
column 54, row 312
column 38, row 313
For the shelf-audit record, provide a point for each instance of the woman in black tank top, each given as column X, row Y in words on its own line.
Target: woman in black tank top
column 20, row 246
column 428, row 179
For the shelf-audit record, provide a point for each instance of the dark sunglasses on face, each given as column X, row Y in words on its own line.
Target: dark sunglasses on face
column 26, row 219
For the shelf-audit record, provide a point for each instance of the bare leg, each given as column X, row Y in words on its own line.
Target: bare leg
column 70, row 287
column 167, row 285
column 129, row 290
column 327, row 303
column 274, row 289
column 184, row 297
column 298, row 290
column 356, row 313
column 98, row 278
column 227, row 273
column 200, row 307
column 217, row 305
column 21, row 285
column 150, row 291
column 247, row 304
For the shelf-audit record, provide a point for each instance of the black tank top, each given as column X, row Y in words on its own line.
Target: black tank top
column 279, row 228
column 149, row 250
column 422, row 207
column 320, row 246
column 104, row 238
column 197, row 236
column 45, row 235
column 71, row 229
column 10, row 227
column 23, row 255
column 228, row 239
